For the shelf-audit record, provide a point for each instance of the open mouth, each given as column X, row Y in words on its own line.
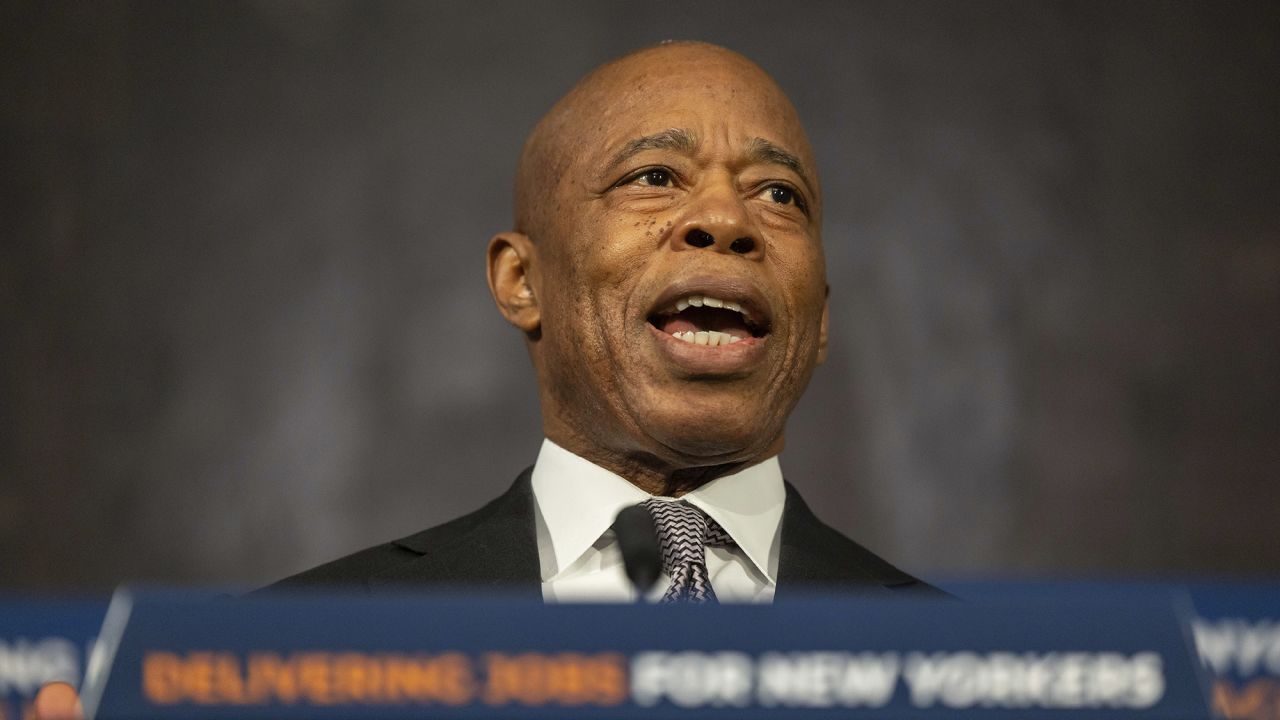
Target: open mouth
column 711, row 321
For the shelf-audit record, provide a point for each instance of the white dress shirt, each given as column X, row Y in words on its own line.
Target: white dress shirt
column 577, row 501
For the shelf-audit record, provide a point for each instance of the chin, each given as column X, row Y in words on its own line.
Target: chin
column 714, row 438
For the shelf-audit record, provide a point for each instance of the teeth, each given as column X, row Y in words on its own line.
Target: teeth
column 704, row 300
column 710, row 338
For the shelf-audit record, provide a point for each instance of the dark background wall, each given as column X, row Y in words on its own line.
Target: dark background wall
column 244, row 328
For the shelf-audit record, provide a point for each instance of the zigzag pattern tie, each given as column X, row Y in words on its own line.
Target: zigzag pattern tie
column 684, row 532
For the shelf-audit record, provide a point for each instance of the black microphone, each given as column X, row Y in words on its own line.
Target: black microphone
column 641, row 553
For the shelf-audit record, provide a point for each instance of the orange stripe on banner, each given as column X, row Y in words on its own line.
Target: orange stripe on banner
column 1256, row 700
column 314, row 678
column 569, row 679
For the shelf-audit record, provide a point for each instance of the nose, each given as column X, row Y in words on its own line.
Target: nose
column 699, row 238
column 719, row 221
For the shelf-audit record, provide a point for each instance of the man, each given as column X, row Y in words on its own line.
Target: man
column 667, row 273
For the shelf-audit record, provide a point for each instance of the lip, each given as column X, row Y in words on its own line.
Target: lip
column 720, row 360
column 754, row 302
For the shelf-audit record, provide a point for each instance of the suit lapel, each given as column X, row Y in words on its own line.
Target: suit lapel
column 494, row 548
column 815, row 556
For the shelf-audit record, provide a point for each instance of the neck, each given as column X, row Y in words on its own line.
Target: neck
column 671, row 483
column 666, row 475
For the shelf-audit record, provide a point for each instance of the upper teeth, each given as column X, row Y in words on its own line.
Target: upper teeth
column 707, row 337
column 700, row 300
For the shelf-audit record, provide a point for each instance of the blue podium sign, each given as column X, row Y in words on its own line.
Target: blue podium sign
column 43, row 641
column 1237, row 630
column 1236, row 626
column 170, row 656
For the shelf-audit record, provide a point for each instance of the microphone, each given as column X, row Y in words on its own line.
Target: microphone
column 641, row 553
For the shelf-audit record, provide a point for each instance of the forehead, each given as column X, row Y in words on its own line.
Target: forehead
column 714, row 94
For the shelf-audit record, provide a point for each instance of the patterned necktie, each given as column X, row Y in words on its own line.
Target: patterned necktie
column 684, row 532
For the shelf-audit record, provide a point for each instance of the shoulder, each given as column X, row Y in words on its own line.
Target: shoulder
column 351, row 572
column 819, row 557
column 426, row 556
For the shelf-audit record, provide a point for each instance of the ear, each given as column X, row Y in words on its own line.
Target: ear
column 512, row 270
column 822, row 331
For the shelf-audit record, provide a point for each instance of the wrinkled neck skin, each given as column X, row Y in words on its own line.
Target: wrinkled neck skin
column 666, row 473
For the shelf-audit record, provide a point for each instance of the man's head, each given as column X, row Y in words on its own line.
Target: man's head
column 676, row 173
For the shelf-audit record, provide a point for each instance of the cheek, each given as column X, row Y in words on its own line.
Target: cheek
column 609, row 253
column 594, row 274
column 801, row 269
column 806, row 299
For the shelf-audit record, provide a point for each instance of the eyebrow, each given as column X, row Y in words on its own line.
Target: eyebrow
column 680, row 140
column 761, row 150
column 670, row 139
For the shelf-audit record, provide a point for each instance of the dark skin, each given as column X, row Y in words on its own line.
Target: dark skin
column 617, row 191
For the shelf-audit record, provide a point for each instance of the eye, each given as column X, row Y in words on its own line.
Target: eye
column 783, row 195
column 653, row 177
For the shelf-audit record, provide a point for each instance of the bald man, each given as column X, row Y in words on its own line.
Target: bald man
column 666, row 271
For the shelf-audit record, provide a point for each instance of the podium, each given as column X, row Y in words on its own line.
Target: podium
column 1005, row 651
column 165, row 655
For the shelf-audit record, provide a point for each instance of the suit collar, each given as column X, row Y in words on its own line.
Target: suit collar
column 578, row 500
column 576, row 503
column 814, row 556
column 494, row 548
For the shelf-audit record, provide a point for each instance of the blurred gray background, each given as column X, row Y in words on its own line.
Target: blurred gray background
column 244, row 327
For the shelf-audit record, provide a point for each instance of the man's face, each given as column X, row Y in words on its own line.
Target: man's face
column 688, row 213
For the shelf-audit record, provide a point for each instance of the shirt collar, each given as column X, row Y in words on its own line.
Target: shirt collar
column 578, row 501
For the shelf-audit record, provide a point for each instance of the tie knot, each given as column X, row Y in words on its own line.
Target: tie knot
column 683, row 532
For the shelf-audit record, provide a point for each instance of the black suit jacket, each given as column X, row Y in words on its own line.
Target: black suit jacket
column 496, row 548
